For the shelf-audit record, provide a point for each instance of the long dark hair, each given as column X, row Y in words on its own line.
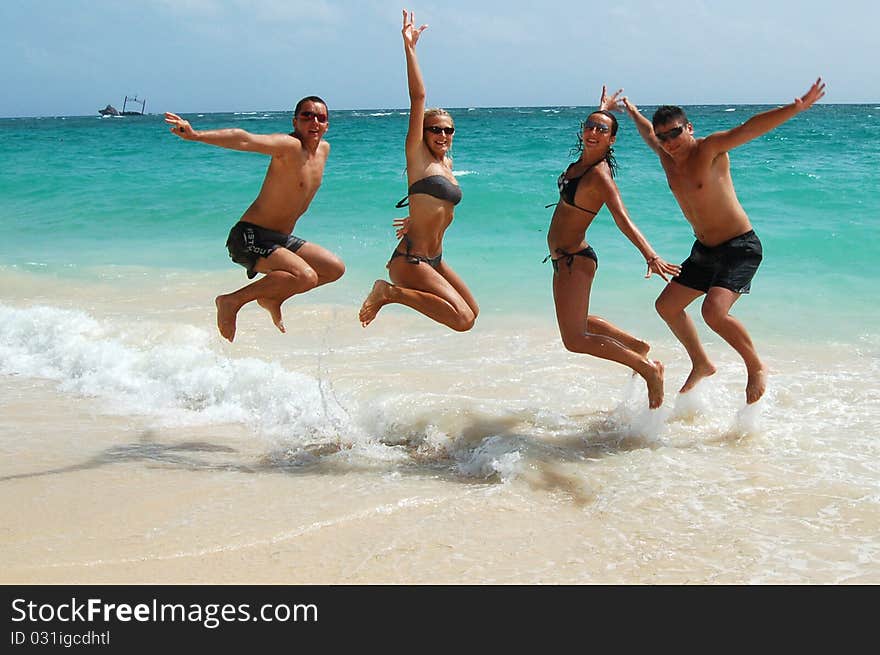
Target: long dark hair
column 609, row 156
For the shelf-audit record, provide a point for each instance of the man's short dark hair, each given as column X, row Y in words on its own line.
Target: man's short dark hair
column 668, row 114
column 308, row 99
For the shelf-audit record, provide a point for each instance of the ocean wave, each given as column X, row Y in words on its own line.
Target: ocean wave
column 174, row 375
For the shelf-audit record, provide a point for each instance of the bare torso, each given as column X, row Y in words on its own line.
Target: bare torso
column 703, row 187
column 429, row 216
column 291, row 182
column 568, row 227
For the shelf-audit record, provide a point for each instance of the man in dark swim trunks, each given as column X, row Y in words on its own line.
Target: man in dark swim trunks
column 727, row 252
column 262, row 241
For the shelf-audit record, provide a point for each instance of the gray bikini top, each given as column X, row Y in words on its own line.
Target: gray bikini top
column 434, row 185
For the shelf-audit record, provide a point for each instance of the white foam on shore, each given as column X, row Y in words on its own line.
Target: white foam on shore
column 491, row 419
column 748, row 420
column 692, row 403
column 173, row 376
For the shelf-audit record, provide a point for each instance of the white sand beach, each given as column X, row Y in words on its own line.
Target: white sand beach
column 138, row 447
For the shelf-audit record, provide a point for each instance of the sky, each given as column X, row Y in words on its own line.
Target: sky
column 73, row 57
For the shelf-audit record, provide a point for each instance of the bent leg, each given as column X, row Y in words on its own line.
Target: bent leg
column 423, row 289
column 328, row 266
column 716, row 313
column 286, row 274
column 671, row 304
column 571, row 295
column 458, row 284
column 598, row 325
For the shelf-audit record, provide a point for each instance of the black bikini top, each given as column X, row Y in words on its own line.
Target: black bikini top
column 438, row 186
column 568, row 188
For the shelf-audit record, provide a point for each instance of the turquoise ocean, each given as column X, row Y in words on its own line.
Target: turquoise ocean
column 94, row 193
column 109, row 358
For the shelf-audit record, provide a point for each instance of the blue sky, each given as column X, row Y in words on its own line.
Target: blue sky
column 72, row 57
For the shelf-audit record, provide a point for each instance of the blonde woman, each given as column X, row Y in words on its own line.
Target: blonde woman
column 420, row 278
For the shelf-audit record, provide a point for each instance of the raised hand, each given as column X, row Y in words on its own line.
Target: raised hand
column 816, row 91
column 179, row 126
column 611, row 103
column 630, row 107
column 410, row 32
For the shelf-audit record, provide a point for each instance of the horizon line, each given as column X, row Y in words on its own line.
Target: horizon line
column 448, row 107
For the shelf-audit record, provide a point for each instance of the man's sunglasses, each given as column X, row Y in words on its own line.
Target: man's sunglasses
column 668, row 135
column 309, row 115
column 436, row 129
column 601, row 127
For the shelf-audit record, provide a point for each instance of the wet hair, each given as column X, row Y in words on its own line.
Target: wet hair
column 609, row 156
column 308, row 99
column 667, row 114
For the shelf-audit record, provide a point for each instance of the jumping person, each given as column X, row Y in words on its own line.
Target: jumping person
column 727, row 252
column 584, row 188
column 420, row 278
column 262, row 241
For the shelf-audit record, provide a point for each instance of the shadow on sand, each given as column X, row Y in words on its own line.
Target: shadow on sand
column 543, row 468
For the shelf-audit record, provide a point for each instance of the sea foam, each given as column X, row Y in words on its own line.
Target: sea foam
column 173, row 376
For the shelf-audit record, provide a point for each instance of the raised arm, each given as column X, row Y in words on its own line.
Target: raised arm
column 417, row 93
column 643, row 125
column 654, row 262
column 762, row 123
column 233, row 138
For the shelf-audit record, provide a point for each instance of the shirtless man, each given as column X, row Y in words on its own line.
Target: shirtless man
column 727, row 252
column 262, row 241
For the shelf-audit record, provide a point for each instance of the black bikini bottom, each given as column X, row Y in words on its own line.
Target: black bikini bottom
column 587, row 252
column 433, row 262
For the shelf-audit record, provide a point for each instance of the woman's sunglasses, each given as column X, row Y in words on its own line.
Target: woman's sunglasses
column 436, row 129
column 601, row 127
column 668, row 135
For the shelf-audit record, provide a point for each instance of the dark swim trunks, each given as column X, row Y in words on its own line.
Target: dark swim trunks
column 248, row 242
column 730, row 265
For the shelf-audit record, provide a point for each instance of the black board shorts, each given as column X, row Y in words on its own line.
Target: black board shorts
column 248, row 242
column 730, row 265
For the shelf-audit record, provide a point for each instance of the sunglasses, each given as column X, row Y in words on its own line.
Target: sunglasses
column 436, row 129
column 668, row 135
column 600, row 127
column 309, row 115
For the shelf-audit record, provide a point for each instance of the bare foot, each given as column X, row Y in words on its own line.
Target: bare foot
column 274, row 309
column 756, row 385
column 698, row 372
column 227, row 310
column 655, row 384
column 377, row 298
